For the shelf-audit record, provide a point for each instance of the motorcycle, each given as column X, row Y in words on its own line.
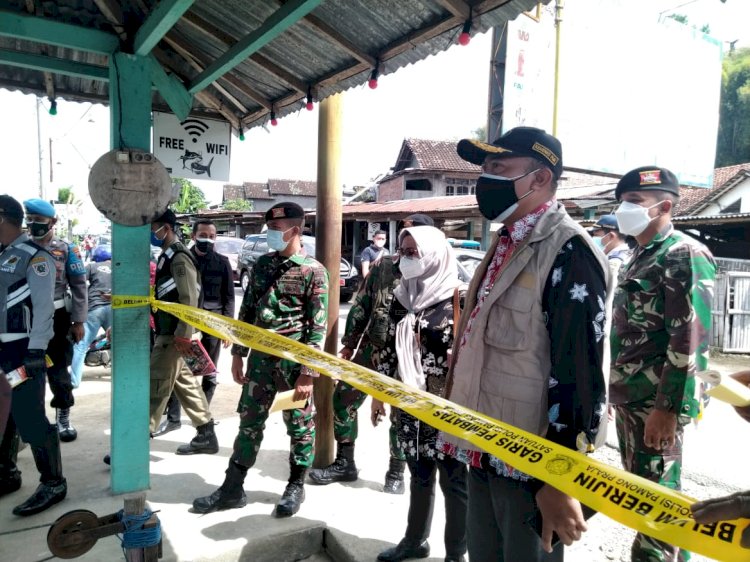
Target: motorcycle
column 99, row 353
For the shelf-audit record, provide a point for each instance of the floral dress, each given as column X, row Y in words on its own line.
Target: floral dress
column 434, row 329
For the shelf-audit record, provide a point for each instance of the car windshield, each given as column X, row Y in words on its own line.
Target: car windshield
column 228, row 245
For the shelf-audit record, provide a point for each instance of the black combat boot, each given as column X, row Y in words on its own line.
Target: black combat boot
column 53, row 487
column 230, row 494
column 342, row 469
column 394, row 477
column 294, row 494
column 10, row 476
column 67, row 432
column 204, row 441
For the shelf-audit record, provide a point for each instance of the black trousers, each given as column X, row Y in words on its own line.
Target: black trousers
column 499, row 509
column 60, row 351
column 213, row 348
column 422, row 501
column 27, row 405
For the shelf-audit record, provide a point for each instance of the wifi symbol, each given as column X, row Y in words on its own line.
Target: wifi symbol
column 194, row 128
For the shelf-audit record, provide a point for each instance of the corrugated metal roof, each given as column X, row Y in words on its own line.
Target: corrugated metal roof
column 332, row 49
column 714, row 219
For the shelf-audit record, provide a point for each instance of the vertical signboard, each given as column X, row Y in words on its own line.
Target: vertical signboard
column 633, row 90
column 196, row 148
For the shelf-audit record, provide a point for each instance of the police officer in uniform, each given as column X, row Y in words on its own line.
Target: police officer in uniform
column 69, row 320
column 217, row 284
column 27, row 285
column 177, row 281
column 287, row 294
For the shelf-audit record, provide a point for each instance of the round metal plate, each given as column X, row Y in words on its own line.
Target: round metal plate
column 130, row 186
column 66, row 539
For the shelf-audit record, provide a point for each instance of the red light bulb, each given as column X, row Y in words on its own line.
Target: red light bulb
column 373, row 83
column 309, row 105
column 274, row 122
column 464, row 38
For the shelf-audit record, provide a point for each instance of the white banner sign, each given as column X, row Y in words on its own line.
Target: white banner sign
column 196, row 148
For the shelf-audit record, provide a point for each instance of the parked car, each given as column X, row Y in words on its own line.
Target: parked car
column 256, row 245
column 230, row 247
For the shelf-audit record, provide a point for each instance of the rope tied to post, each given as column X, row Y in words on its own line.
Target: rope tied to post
column 135, row 535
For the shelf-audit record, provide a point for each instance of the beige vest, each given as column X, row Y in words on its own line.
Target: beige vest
column 503, row 370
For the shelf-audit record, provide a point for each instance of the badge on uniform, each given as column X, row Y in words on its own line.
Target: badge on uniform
column 650, row 177
column 9, row 265
column 40, row 266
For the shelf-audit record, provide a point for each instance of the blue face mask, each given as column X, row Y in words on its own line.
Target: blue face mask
column 275, row 239
column 155, row 240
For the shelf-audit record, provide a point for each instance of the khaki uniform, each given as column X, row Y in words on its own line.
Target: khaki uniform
column 176, row 281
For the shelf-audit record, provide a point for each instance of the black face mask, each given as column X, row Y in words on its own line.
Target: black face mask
column 204, row 246
column 39, row 229
column 496, row 195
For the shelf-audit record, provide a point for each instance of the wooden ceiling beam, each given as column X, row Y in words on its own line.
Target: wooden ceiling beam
column 216, row 34
column 181, row 48
column 458, row 8
column 204, row 97
column 324, row 29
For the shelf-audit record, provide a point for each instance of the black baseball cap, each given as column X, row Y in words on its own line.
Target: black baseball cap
column 419, row 219
column 10, row 207
column 528, row 142
column 286, row 210
column 648, row 178
column 168, row 217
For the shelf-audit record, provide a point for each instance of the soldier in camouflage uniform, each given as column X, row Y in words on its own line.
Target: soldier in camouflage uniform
column 287, row 294
column 660, row 336
column 367, row 331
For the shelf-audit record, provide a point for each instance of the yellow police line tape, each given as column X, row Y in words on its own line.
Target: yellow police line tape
column 629, row 499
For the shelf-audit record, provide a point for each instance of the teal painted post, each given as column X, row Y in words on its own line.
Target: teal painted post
column 130, row 117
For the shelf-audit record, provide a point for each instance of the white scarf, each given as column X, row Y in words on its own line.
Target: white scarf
column 435, row 285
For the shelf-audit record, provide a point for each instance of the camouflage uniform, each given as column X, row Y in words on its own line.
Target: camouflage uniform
column 660, row 337
column 288, row 296
column 368, row 320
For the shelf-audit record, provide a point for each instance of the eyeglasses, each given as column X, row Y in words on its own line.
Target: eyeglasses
column 409, row 252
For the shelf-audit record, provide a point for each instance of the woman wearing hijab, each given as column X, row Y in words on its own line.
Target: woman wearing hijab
column 420, row 336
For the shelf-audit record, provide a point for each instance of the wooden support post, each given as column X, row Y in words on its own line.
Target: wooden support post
column 328, row 252
column 130, row 117
column 136, row 505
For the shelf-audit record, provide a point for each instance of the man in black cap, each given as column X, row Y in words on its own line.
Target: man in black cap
column 528, row 347
column 288, row 294
column 661, row 320
column 27, row 288
column 365, row 333
column 177, row 281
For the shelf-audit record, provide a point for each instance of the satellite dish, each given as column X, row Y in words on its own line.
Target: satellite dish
column 130, row 186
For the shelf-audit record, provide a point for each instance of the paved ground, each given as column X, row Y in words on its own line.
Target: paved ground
column 359, row 518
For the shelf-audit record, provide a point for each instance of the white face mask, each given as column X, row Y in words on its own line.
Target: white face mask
column 632, row 219
column 275, row 239
column 411, row 267
column 379, row 243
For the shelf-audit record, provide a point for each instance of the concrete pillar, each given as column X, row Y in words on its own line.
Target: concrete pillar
column 130, row 118
column 328, row 250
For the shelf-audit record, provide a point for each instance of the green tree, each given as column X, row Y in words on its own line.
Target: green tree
column 191, row 198
column 480, row 133
column 733, row 143
column 65, row 195
column 237, row 205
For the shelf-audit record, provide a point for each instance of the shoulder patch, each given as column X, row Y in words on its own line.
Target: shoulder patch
column 179, row 270
column 40, row 266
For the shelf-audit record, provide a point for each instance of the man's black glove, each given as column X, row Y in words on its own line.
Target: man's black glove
column 725, row 508
column 34, row 363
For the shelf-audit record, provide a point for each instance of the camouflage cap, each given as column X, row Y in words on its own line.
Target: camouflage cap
column 286, row 210
column 648, row 178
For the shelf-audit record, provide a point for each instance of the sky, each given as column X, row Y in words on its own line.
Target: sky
column 443, row 97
